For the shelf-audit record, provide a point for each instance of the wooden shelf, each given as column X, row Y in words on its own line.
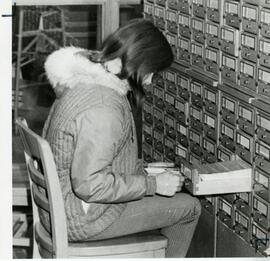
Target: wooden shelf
column 20, row 227
column 20, row 185
column 80, row 24
column 82, row 34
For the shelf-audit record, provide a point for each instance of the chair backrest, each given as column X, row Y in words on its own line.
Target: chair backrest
column 45, row 192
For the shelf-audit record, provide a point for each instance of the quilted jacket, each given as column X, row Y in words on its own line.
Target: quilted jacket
column 92, row 135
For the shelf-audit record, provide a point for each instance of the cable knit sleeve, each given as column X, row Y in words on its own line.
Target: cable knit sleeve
column 99, row 131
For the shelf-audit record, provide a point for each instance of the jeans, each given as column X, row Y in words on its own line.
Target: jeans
column 176, row 216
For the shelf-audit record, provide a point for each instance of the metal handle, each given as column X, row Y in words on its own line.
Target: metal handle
column 241, row 232
column 263, row 136
column 261, row 164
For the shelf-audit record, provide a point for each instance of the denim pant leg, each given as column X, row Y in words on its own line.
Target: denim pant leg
column 177, row 216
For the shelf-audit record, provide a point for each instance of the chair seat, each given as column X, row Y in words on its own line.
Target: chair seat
column 146, row 244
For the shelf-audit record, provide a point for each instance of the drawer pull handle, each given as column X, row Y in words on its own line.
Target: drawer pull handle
column 263, row 136
column 261, row 164
column 260, row 219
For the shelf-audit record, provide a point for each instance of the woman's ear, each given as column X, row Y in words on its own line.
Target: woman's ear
column 114, row 66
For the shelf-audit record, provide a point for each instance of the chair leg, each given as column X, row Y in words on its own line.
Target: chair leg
column 35, row 250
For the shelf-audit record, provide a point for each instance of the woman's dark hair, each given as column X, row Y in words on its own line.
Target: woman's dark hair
column 142, row 49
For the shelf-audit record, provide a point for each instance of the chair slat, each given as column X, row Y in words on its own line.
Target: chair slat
column 39, row 198
column 36, row 176
column 44, row 253
column 43, row 237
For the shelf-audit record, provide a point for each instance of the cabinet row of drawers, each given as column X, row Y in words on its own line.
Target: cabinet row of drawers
column 234, row 55
column 187, row 121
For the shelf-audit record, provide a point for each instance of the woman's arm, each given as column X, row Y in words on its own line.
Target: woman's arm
column 99, row 132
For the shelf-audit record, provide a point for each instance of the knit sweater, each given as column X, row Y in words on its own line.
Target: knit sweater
column 92, row 135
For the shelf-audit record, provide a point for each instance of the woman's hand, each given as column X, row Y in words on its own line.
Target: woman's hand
column 168, row 183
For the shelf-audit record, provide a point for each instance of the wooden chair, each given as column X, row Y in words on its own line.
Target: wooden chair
column 42, row 174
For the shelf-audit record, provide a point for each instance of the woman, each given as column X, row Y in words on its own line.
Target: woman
column 92, row 135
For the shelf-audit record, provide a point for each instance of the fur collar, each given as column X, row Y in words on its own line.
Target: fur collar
column 66, row 67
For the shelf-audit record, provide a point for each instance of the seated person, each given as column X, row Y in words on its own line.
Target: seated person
column 92, row 134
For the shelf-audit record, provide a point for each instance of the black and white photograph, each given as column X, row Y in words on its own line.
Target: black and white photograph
column 135, row 129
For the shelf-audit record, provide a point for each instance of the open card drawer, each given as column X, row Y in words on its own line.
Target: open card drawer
column 219, row 178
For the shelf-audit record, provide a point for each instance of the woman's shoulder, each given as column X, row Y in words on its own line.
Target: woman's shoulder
column 102, row 106
column 110, row 100
column 110, row 95
column 98, row 97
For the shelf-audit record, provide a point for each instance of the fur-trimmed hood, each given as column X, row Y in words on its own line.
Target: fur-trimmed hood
column 68, row 68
